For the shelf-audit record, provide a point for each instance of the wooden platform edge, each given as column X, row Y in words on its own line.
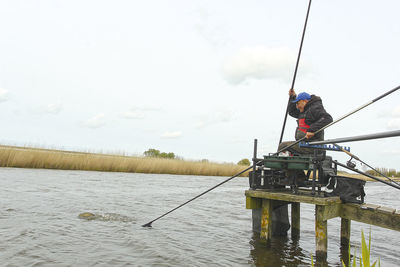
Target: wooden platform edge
column 303, row 197
column 379, row 216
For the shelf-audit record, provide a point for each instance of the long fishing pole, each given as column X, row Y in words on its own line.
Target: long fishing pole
column 295, row 71
column 236, row 175
column 363, row 162
column 358, row 138
column 365, row 174
column 341, row 118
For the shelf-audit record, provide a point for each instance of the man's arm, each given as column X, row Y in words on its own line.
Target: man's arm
column 293, row 111
column 322, row 119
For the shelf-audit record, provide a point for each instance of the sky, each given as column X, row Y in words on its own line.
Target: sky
column 201, row 79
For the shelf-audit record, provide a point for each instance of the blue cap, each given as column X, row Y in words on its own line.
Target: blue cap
column 302, row 96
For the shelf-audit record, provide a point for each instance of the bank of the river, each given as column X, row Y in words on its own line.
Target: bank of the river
column 40, row 158
column 27, row 157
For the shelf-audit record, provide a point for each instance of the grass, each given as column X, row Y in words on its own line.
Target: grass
column 26, row 157
column 365, row 257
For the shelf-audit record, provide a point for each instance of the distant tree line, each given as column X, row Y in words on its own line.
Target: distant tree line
column 385, row 171
column 154, row 153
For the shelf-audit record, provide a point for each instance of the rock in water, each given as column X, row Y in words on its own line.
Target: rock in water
column 87, row 216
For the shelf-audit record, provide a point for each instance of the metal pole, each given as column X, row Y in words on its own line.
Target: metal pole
column 236, row 175
column 366, row 174
column 358, row 138
column 295, row 71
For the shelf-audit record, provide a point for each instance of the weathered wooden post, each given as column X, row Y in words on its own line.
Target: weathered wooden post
column 321, row 232
column 295, row 219
column 345, row 230
column 266, row 220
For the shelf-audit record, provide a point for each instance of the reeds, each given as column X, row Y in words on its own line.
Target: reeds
column 365, row 257
column 20, row 157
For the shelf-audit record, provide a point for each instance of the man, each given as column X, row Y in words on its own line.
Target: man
column 311, row 116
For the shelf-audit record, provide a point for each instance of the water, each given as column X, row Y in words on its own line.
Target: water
column 39, row 224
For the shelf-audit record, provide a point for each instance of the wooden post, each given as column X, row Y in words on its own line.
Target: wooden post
column 295, row 220
column 345, row 232
column 266, row 220
column 321, row 232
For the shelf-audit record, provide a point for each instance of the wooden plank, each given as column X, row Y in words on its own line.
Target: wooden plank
column 303, row 197
column 379, row 217
column 387, row 210
column 253, row 203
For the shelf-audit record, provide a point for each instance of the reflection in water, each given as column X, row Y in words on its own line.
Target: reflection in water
column 280, row 251
column 284, row 251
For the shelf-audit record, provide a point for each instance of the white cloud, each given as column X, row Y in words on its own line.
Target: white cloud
column 95, row 122
column 53, row 108
column 171, row 135
column 396, row 112
column 259, row 63
column 216, row 117
column 132, row 115
column 138, row 112
column 394, row 124
column 3, row 95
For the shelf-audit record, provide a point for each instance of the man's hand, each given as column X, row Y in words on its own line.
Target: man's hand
column 292, row 92
column 309, row 135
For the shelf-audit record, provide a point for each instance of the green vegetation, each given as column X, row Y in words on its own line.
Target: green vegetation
column 154, row 153
column 365, row 254
column 244, row 162
column 364, row 260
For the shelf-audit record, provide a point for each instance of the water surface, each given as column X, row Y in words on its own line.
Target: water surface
column 39, row 224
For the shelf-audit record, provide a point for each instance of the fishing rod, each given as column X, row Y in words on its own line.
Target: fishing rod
column 295, row 71
column 363, row 162
column 365, row 174
column 190, row 200
column 341, row 118
column 358, row 138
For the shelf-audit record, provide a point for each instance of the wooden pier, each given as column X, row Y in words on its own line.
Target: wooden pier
column 263, row 202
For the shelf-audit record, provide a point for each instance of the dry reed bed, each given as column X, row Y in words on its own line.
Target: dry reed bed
column 56, row 159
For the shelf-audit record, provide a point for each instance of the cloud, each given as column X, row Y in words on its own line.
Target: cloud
column 259, row 63
column 138, row 112
column 216, row 117
column 211, row 28
column 95, row 122
column 132, row 115
column 52, row 108
column 3, row 95
column 394, row 116
column 393, row 124
column 171, row 135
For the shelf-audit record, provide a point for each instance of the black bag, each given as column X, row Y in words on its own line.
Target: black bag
column 349, row 190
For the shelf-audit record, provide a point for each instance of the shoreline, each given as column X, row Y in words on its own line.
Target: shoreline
column 41, row 158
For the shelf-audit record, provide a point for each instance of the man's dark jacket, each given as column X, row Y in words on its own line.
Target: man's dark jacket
column 315, row 116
